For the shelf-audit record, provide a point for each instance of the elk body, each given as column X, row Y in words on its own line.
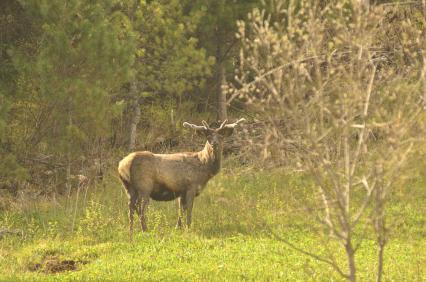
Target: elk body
column 165, row 177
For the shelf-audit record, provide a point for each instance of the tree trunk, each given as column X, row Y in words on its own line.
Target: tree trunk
column 380, row 220
column 380, row 256
column 220, row 76
column 222, row 113
column 68, row 171
column 135, row 118
column 350, row 254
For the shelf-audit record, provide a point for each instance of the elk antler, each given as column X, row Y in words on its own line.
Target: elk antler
column 232, row 125
column 222, row 124
column 206, row 125
column 193, row 126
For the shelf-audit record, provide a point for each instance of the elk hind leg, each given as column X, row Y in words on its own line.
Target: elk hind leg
column 142, row 206
column 132, row 209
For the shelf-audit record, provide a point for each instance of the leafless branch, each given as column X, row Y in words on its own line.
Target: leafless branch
column 310, row 254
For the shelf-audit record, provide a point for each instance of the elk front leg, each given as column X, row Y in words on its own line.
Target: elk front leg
column 189, row 202
column 180, row 206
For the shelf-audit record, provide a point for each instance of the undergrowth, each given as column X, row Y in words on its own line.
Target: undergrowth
column 75, row 240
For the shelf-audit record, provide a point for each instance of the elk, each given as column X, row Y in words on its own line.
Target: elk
column 165, row 177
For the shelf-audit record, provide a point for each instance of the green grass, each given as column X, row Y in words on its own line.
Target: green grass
column 229, row 239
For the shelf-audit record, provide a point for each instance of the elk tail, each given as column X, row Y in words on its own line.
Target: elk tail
column 124, row 170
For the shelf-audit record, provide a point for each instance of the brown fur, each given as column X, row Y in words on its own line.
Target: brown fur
column 165, row 177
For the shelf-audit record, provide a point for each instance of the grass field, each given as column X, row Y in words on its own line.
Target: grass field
column 230, row 239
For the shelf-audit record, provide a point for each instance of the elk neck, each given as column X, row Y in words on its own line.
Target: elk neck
column 211, row 157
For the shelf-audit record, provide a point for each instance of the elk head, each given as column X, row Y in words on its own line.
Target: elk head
column 216, row 134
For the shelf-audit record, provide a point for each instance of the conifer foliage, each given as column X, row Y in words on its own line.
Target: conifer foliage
column 66, row 67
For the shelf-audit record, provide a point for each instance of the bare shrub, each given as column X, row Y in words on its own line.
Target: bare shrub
column 340, row 90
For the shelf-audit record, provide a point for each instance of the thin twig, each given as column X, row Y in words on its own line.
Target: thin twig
column 315, row 256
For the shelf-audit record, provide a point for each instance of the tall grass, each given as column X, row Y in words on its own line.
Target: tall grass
column 230, row 238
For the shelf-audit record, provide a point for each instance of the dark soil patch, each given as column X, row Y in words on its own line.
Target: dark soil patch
column 53, row 264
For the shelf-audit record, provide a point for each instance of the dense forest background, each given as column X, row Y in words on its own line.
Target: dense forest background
column 83, row 82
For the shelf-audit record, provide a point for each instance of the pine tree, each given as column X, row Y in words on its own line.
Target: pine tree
column 64, row 72
column 169, row 62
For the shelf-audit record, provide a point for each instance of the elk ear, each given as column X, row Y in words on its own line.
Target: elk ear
column 226, row 131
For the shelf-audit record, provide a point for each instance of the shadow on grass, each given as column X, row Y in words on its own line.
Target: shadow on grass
column 230, row 230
